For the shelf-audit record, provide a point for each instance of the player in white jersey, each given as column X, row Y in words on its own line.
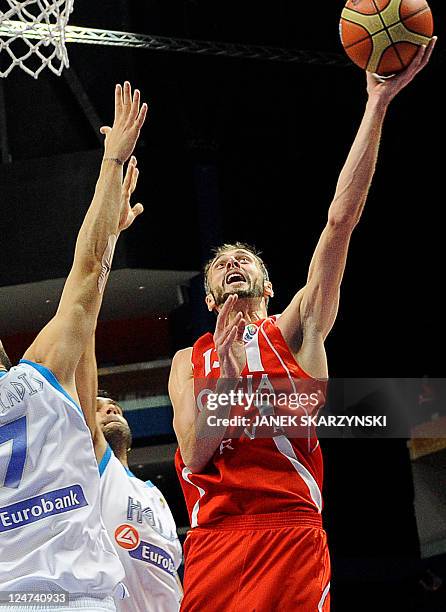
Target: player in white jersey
column 139, row 522
column 135, row 513
column 51, row 534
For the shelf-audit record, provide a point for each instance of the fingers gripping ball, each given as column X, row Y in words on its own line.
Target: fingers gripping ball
column 383, row 36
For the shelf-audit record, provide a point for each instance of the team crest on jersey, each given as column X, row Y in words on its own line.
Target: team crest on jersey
column 127, row 537
column 250, row 332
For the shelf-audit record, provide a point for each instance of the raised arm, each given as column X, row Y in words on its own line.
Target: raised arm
column 87, row 370
column 310, row 316
column 61, row 343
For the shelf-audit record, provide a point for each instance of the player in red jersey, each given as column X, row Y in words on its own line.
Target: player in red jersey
column 257, row 542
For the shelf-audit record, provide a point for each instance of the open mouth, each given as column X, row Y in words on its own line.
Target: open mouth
column 110, row 420
column 234, row 277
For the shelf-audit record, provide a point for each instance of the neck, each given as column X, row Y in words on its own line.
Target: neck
column 120, row 440
column 123, row 459
column 253, row 309
column 119, row 445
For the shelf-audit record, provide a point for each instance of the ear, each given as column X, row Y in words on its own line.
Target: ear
column 210, row 302
column 268, row 289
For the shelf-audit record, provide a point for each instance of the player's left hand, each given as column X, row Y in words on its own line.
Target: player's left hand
column 386, row 88
column 121, row 138
column 129, row 212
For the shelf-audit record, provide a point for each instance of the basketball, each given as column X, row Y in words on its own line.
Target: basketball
column 383, row 36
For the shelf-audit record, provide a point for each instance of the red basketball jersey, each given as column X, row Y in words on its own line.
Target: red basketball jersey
column 249, row 475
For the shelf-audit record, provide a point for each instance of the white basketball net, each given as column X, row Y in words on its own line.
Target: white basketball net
column 32, row 35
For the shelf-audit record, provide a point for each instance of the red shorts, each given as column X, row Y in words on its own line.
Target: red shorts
column 258, row 563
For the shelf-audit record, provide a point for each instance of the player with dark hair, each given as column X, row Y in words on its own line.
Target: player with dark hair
column 135, row 513
column 111, row 421
column 257, row 541
column 52, row 539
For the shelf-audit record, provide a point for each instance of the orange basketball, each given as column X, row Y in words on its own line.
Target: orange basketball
column 383, row 35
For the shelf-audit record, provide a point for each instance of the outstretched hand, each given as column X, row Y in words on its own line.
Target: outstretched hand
column 228, row 340
column 129, row 212
column 386, row 88
column 120, row 140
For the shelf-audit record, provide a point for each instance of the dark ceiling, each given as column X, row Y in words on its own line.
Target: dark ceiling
column 245, row 149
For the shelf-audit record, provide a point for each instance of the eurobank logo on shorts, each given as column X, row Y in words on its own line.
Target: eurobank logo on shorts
column 41, row 506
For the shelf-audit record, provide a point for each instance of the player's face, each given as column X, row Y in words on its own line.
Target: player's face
column 109, row 415
column 236, row 271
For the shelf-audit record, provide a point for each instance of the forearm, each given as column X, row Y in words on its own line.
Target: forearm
column 87, row 390
column 102, row 218
column 62, row 342
column 83, row 291
column 201, row 439
column 357, row 173
column 87, row 383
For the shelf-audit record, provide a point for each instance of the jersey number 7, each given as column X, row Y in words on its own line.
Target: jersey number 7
column 15, row 431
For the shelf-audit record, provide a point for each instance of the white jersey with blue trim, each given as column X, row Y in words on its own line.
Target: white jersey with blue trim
column 51, row 533
column 143, row 530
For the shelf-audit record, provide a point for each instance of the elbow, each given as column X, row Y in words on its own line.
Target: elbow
column 342, row 222
column 193, row 466
column 345, row 211
column 188, row 448
column 192, row 458
column 192, row 461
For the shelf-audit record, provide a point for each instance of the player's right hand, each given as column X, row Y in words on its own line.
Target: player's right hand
column 386, row 88
column 228, row 340
column 120, row 140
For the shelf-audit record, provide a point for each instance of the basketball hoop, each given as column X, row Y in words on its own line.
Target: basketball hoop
column 32, row 35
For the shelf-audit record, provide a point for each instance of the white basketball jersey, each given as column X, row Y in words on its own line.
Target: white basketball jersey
column 51, row 533
column 143, row 531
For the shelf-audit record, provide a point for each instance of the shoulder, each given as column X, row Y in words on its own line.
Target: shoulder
column 182, row 359
column 181, row 370
column 47, row 381
column 183, row 354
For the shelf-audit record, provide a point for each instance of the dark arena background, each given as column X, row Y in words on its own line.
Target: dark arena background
column 246, row 136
